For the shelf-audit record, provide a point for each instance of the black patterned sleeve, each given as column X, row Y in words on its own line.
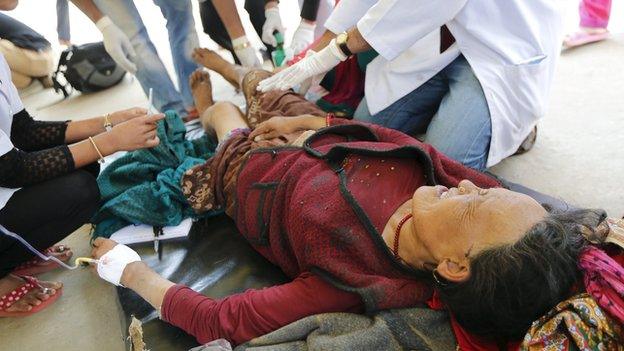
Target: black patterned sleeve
column 30, row 135
column 19, row 168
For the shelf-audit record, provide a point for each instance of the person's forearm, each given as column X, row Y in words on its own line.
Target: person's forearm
column 310, row 122
column 84, row 153
column 356, row 42
column 138, row 277
column 89, row 8
column 322, row 42
column 229, row 16
column 80, row 130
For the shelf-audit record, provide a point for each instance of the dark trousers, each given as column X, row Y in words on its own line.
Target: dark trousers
column 45, row 213
column 214, row 27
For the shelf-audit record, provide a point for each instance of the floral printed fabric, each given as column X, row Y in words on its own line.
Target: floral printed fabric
column 575, row 324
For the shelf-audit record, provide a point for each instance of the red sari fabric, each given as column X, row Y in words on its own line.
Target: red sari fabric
column 604, row 281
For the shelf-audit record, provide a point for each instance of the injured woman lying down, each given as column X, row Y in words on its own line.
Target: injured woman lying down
column 362, row 218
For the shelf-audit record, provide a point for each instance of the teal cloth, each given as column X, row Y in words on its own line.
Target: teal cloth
column 143, row 186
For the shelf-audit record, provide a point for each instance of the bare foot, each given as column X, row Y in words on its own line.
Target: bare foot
column 215, row 62
column 210, row 59
column 32, row 298
column 201, row 88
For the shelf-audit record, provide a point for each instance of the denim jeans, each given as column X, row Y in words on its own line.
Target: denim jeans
column 450, row 108
column 62, row 20
column 151, row 71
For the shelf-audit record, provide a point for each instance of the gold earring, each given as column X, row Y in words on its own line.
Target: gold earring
column 461, row 190
column 438, row 280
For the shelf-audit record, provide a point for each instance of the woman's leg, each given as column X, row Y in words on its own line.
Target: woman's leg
column 222, row 117
column 240, row 77
column 43, row 214
column 595, row 13
column 233, row 73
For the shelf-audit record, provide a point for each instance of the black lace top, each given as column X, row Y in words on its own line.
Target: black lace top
column 40, row 152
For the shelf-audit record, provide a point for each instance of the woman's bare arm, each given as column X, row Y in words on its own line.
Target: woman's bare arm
column 80, row 130
column 277, row 126
column 145, row 282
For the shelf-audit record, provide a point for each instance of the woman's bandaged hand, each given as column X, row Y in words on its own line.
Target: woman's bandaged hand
column 112, row 261
column 314, row 65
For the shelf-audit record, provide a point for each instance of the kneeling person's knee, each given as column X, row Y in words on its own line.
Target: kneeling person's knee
column 84, row 193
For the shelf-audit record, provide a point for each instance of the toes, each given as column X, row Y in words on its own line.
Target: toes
column 63, row 255
column 193, row 78
column 199, row 77
column 20, row 306
column 33, row 300
column 205, row 77
column 199, row 53
column 196, row 55
column 51, row 285
column 42, row 296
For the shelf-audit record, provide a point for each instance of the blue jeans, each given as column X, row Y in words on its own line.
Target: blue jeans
column 62, row 20
column 450, row 108
column 151, row 71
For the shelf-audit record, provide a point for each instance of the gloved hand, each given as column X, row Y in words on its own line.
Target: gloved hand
column 245, row 52
column 303, row 37
column 272, row 23
column 314, row 65
column 117, row 44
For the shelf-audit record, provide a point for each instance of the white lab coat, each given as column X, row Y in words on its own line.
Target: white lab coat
column 511, row 45
column 10, row 104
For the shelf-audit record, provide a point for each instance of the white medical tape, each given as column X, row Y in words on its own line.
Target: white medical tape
column 111, row 266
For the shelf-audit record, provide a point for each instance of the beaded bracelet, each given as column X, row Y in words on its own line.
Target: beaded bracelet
column 328, row 119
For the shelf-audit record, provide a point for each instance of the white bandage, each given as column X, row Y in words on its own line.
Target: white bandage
column 111, row 266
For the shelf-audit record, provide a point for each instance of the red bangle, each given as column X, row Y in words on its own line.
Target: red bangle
column 328, row 119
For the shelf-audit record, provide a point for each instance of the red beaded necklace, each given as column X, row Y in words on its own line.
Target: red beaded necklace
column 397, row 232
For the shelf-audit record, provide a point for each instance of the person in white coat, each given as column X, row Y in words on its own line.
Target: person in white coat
column 473, row 75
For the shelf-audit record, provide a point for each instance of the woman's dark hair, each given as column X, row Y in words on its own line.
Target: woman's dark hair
column 513, row 285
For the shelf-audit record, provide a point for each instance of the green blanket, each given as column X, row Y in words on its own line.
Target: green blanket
column 417, row 328
column 143, row 186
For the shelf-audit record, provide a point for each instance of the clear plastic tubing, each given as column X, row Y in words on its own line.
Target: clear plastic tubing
column 9, row 233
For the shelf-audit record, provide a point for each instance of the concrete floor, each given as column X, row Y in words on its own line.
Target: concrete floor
column 579, row 156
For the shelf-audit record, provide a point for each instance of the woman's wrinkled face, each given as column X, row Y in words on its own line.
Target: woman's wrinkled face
column 457, row 223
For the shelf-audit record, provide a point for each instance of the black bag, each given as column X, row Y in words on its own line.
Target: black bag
column 87, row 68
